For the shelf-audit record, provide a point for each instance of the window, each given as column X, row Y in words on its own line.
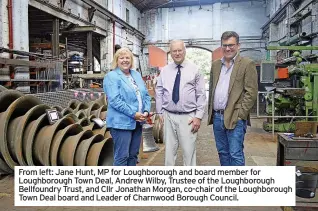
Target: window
column 127, row 15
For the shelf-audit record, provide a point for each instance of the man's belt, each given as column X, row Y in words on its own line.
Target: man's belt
column 219, row 111
column 179, row 113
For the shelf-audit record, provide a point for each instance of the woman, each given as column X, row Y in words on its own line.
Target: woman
column 128, row 107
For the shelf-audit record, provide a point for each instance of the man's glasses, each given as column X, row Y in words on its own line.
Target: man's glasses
column 231, row 46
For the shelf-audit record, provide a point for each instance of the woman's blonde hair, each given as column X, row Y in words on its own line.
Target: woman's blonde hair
column 119, row 53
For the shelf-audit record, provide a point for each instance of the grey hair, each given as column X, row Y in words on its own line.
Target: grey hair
column 176, row 41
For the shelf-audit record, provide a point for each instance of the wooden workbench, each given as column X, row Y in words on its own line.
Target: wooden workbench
column 301, row 153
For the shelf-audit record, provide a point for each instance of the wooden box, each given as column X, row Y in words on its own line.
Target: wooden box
column 301, row 153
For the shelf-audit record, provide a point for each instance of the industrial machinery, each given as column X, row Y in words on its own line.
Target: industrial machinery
column 294, row 97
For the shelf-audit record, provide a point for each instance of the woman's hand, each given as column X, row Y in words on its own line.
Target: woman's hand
column 139, row 117
column 146, row 114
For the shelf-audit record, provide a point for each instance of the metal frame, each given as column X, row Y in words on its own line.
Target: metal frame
column 292, row 47
column 63, row 14
column 44, row 71
column 113, row 17
column 273, row 111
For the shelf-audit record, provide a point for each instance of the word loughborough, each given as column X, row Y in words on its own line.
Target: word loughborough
column 154, row 186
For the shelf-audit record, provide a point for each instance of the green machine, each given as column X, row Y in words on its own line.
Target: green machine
column 297, row 101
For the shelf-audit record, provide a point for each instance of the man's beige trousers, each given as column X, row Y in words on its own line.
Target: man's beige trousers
column 177, row 131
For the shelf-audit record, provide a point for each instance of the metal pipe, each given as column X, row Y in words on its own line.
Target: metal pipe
column 273, row 114
column 294, row 39
column 315, row 96
column 66, row 54
column 10, row 20
column 257, row 105
column 114, row 40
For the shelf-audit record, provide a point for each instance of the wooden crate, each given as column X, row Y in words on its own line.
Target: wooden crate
column 302, row 153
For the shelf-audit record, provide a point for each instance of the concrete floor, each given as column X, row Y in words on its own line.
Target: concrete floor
column 260, row 149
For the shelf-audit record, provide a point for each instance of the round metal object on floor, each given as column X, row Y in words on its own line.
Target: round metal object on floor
column 59, row 138
column 43, row 140
column 4, row 168
column 80, row 106
column 29, row 135
column 81, row 114
column 83, row 147
column 73, row 116
column 149, row 143
column 66, row 111
column 33, row 114
column 7, row 97
column 90, row 126
column 92, row 109
column 101, row 131
column 12, row 129
column 91, row 117
column 101, row 100
column 69, row 146
column 101, row 153
column 156, row 130
column 98, row 112
column 161, row 134
column 84, row 122
column 73, row 104
column 18, row 108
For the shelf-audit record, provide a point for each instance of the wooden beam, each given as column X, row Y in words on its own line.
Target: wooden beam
column 18, row 62
column 45, row 45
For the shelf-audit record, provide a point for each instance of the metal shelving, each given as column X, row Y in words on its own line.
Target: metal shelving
column 40, row 74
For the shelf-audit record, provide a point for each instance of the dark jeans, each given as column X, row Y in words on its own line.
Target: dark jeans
column 126, row 145
column 229, row 143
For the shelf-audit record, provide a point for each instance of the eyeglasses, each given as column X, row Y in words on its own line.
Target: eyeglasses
column 231, row 46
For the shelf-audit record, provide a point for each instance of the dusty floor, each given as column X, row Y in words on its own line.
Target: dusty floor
column 260, row 149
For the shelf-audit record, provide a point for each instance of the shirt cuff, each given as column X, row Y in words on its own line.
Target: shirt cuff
column 199, row 114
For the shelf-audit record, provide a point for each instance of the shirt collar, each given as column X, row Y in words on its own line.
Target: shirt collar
column 233, row 60
column 181, row 65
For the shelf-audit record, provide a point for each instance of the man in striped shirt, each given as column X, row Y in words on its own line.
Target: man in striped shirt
column 180, row 97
